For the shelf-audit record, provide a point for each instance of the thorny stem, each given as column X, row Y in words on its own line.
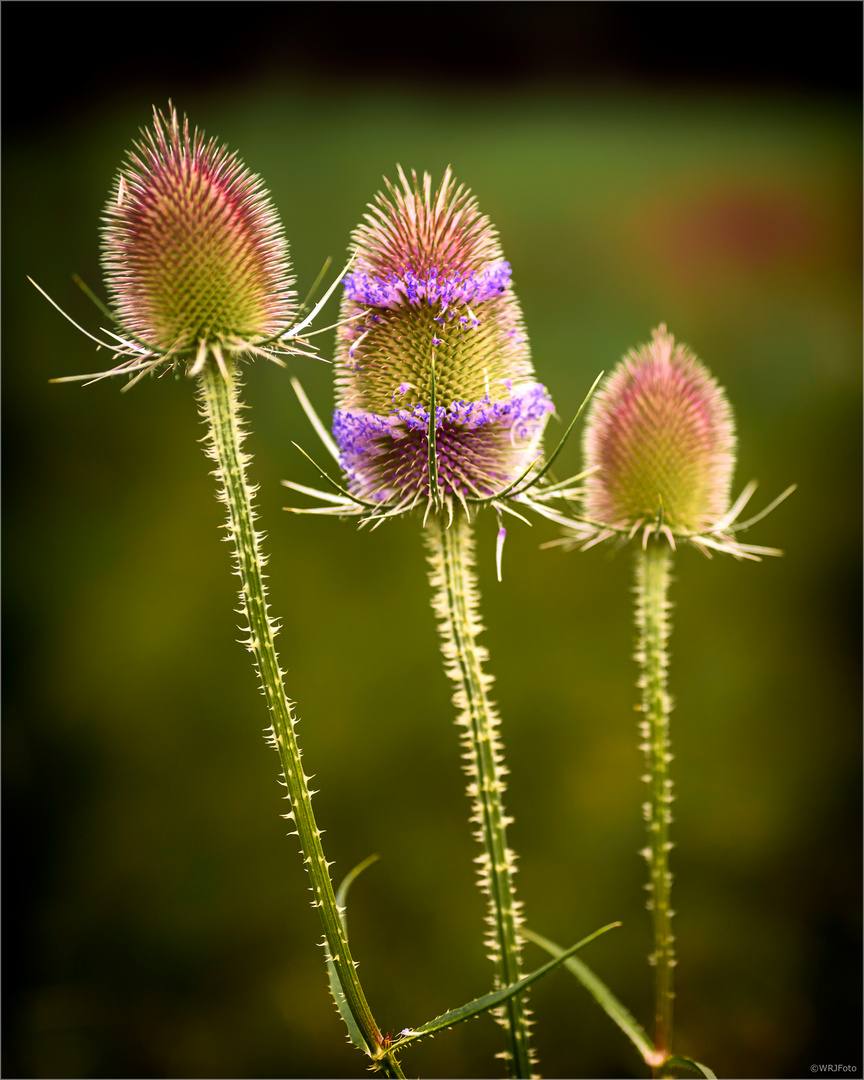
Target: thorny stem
column 652, row 620
column 219, row 404
column 456, row 604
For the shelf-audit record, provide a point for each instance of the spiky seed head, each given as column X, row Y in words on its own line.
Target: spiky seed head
column 193, row 250
column 430, row 296
column 661, row 437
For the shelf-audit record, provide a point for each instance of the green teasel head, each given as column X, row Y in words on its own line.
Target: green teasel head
column 436, row 395
column 659, row 455
column 660, row 437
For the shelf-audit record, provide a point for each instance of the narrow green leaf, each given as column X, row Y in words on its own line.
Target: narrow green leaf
column 354, row 1032
column 603, row 996
column 688, row 1063
column 335, row 985
column 490, row 1001
column 348, row 881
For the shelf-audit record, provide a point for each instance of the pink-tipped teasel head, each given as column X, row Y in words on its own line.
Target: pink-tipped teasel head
column 193, row 251
column 660, row 438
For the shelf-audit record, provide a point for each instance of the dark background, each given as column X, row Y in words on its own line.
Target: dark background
column 698, row 164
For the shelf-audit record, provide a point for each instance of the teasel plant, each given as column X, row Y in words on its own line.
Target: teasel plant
column 659, row 449
column 199, row 279
column 439, row 414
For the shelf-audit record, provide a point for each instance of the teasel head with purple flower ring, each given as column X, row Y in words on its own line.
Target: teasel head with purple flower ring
column 437, row 404
column 196, row 262
column 659, row 455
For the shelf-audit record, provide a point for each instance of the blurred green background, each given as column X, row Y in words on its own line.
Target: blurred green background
column 157, row 921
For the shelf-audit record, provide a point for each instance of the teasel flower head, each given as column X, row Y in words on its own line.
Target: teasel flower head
column 659, row 456
column 196, row 262
column 437, row 402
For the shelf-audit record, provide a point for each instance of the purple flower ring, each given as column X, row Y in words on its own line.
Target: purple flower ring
column 481, row 447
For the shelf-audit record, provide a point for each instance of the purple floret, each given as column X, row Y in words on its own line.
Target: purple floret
column 481, row 446
column 448, row 289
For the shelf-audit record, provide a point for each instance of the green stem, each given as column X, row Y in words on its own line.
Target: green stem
column 220, row 408
column 652, row 620
column 456, row 605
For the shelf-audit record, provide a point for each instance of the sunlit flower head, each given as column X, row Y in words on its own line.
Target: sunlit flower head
column 196, row 262
column 659, row 455
column 660, row 436
column 436, row 395
column 194, row 254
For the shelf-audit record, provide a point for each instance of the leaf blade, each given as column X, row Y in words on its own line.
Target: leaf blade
column 497, row 997
column 689, row 1063
column 354, row 1032
column 603, row 996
